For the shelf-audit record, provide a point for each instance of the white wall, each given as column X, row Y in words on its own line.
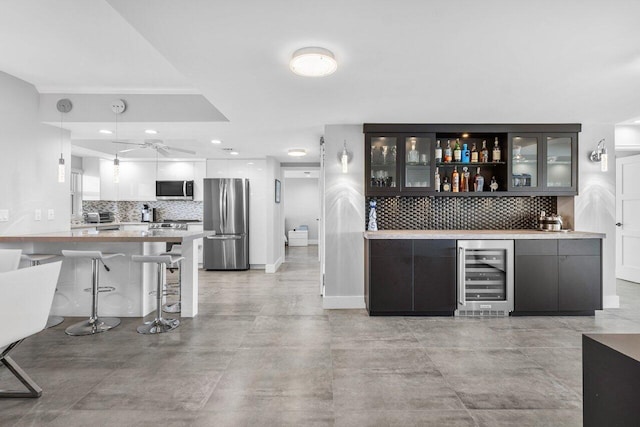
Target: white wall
column 258, row 194
column 595, row 203
column 29, row 164
column 344, row 219
column 302, row 205
column 275, row 217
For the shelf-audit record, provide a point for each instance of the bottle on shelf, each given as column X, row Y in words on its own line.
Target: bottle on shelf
column 494, row 184
column 484, row 155
column 496, row 151
column 438, row 152
column 466, row 154
column 464, row 179
column 447, row 152
column 457, row 152
column 413, row 157
column 478, row 181
column 455, row 180
column 446, row 185
column 474, row 153
column 436, row 180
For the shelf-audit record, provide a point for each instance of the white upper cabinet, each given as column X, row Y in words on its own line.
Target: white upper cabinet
column 137, row 181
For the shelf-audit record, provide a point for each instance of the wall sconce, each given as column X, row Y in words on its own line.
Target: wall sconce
column 116, row 169
column 345, row 158
column 600, row 155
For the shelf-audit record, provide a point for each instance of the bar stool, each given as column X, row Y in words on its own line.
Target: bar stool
column 176, row 250
column 159, row 325
column 36, row 259
column 94, row 324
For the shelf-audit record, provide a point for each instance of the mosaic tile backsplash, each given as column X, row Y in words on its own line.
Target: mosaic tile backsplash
column 460, row 213
column 125, row 211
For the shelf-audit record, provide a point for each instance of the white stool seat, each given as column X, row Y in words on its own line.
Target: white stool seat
column 158, row 259
column 38, row 257
column 89, row 254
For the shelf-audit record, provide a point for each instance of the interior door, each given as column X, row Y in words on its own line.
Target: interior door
column 628, row 219
column 321, row 224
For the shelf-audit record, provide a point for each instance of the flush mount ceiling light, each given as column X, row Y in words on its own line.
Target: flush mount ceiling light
column 297, row 152
column 313, row 62
column 234, row 153
column 105, row 131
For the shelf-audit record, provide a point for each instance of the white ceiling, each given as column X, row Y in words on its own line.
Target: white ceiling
column 399, row 61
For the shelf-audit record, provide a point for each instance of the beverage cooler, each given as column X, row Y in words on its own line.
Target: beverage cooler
column 485, row 277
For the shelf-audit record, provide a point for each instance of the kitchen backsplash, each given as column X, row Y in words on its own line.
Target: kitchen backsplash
column 460, row 213
column 125, row 211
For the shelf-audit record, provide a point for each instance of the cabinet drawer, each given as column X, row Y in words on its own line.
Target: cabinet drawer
column 579, row 247
column 434, row 248
column 391, row 248
column 536, row 247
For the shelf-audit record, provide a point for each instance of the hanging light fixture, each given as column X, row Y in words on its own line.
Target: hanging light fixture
column 116, row 169
column 64, row 106
column 118, row 106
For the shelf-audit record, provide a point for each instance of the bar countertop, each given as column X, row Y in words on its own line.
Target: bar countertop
column 77, row 236
column 480, row 234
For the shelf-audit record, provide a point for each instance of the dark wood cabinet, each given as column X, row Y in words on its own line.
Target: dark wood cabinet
column 411, row 277
column 558, row 276
column 536, row 159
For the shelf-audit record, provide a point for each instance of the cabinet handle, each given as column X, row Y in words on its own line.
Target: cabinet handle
column 618, row 224
column 462, row 298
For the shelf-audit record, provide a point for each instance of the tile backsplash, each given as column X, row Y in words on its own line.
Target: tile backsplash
column 127, row 211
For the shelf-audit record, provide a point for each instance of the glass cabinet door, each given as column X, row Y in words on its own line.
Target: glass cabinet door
column 418, row 162
column 560, row 162
column 383, row 160
column 524, row 162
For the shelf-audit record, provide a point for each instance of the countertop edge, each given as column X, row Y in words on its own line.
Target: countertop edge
column 479, row 234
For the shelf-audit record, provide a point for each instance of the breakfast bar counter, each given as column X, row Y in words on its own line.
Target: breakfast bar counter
column 133, row 281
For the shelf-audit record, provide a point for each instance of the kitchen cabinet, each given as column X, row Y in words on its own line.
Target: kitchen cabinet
column 558, row 276
column 535, row 159
column 411, row 277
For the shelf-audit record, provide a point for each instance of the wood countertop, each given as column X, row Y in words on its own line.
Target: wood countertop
column 480, row 234
column 77, row 236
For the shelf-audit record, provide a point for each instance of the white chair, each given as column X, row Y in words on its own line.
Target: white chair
column 37, row 259
column 9, row 259
column 26, row 296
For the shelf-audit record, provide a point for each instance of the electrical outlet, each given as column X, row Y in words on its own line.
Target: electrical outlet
column 37, row 215
column 51, row 215
column 4, row 215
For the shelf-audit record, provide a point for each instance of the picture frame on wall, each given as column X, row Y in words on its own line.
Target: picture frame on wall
column 277, row 191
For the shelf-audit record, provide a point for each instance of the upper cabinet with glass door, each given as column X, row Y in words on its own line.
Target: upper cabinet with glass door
column 560, row 163
column 382, row 163
column 418, row 170
column 525, row 168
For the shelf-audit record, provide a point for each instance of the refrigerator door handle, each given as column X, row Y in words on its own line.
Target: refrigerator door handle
column 462, row 298
column 224, row 237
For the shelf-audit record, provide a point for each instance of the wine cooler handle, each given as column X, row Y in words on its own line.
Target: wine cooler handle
column 462, row 298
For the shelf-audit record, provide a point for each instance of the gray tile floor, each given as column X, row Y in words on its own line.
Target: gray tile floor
column 263, row 352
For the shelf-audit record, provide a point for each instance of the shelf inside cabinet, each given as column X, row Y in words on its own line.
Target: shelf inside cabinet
column 478, row 164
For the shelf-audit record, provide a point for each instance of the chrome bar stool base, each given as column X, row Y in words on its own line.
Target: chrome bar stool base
column 91, row 327
column 158, row 326
column 172, row 308
column 54, row 321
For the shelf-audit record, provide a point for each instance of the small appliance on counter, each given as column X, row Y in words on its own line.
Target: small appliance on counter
column 550, row 222
column 149, row 214
column 98, row 217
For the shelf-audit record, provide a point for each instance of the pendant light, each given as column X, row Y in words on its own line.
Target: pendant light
column 64, row 106
column 116, row 169
column 118, row 106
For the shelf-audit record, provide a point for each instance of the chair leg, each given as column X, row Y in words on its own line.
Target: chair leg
column 34, row 389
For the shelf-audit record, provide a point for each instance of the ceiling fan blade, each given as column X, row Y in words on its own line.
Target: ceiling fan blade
column 182, row 150
column 128, row 143
column 163, row 151
column 129, row 149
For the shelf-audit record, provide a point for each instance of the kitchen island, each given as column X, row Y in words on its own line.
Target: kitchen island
column 429, row 272
column 133, row 281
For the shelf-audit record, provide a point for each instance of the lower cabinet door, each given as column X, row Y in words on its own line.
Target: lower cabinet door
column 536, row 283
column 434, row 276
column 580, row 283
column 391, row 274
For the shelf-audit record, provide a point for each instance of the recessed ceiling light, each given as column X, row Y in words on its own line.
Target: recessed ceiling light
column 249, row 163
column 216, row 141
column 637, row 121
column 234, row 153
column 151, row 132
column 313, row 62
column 465, row 135
column 105, row 131
column 297, row 152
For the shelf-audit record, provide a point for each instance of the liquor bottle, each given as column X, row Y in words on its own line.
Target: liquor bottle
column 457, row 153
column 455, row 180
column 494, row 184
column 474, row 153
column 464, row 179
column 466, row 154
column 446, row 185
column 413, row 157
column 436, row 181
column 438, row 152
column 484, row 155
column 447, row 152
column 478, row 181
column 496, row 151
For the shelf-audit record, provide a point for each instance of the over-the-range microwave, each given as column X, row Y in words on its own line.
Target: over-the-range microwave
column 174, row 190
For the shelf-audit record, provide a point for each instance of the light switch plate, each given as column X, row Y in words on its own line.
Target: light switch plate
column 50, row 215
column 37, row 215
column 4, row 215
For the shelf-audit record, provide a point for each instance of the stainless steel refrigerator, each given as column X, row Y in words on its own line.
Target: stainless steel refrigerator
column 226, row 211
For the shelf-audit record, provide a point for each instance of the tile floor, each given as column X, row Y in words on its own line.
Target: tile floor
column 263, row 352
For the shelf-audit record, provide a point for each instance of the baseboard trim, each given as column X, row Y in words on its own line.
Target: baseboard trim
column 611, row 301
column 272, row 268
column 313, row 241
column 257, row 266
column 343, row 302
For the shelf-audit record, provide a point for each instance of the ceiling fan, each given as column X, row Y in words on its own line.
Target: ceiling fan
column 154, row 144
